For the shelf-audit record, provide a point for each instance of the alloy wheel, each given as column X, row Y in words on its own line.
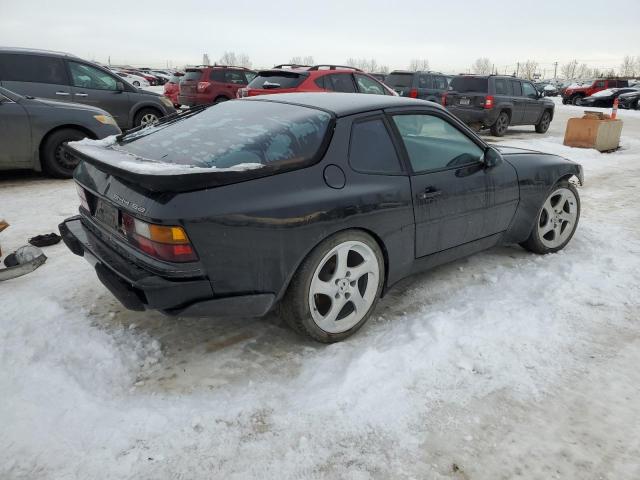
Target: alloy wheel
column 557, row 218
column 63, row 158
column 343, row 287
column 148, row 119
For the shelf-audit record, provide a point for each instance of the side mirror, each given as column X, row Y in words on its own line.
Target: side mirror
column 120, row 87
column 491, row 157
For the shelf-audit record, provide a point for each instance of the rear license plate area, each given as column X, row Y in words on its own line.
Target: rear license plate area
column 106, row 214
column 464, row 101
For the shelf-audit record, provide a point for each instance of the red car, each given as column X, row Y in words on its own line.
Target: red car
column 209, row 85
column 172, row 88
column 319, row 78
column 575, row 94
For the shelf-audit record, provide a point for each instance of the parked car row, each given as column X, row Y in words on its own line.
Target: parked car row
column 575, row 93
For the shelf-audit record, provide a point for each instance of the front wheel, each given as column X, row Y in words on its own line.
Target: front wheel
column 543, row 125
column 499, row 128
column 56, row 161
column 557, row 220
column 336, row 288
column 576, row 100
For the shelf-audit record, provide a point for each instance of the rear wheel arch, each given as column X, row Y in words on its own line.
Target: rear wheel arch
column 221, row 98
column 371, row 233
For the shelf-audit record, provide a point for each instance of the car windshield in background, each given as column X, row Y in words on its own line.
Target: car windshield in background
column 192, row 75
column 235, row 133
column 469, row 84
column 399, row 79
column 276, row 80
column 176, row 78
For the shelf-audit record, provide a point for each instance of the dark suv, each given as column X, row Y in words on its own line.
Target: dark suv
column 424, row 85
column 65, row 77
column 208, row 85
column 495, row 102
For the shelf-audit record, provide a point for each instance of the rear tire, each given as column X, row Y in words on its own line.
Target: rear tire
column 55, row 161
column 500, row 126
column 336, row 288
column 220, row 99
column 543, row 125
column 576, row 100
column 556, row 221
column 146, row 116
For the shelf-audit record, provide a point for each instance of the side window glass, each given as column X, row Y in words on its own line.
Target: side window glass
column 441, row 83
column 501, row 86
column 85, row 76
column 529, row 90
column 320, row 81
column 433, row 144
column 217, row 75
column 33, row 68
column 371, row 149
column 424, row 81
column 516, row 89
column 600, row 83
column 249, row 76
column 368, row 85
column 234, row 76
column 339, row 82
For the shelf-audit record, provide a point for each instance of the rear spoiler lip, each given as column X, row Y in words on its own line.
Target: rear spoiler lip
column 173, row 182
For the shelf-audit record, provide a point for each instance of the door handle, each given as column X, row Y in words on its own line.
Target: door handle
column 429, row 193
column 82, row 94
column 63, row 93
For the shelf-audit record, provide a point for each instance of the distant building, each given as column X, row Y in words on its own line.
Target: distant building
column 205, row 60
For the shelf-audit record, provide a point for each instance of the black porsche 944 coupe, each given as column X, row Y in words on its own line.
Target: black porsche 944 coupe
column 315, row 203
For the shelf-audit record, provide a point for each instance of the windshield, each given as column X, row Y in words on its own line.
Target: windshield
column 240, row 133
column 399, row 79
column 469, row 84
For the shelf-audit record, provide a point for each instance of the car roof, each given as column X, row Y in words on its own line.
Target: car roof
column 342, row 104
column 35, row 51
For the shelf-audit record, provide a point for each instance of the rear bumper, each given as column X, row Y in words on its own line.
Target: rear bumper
column 193, row 101
column 139, row 289
column 486, row 117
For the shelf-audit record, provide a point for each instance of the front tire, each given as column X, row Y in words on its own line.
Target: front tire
column 336, row 288
column 543, row 125
column 55, row 161
column 576, row 100
column 500, row 126
column 556, row 221
column 146, row 117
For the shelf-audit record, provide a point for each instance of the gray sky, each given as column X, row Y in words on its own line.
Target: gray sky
column 450, row 34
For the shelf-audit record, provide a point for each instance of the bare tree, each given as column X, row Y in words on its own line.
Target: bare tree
column 418, row 64
column 367, row 65
column 482, row 66
column 628, row 66
column 529, row 69
column 308, row 60
column 232, row 58
column 568, row 70
column 584, row 72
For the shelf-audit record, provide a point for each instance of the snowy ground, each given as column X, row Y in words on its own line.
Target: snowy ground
column 503, row 365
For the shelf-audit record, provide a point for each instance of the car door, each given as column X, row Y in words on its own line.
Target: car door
column 456, row 198
column 15, row 135
column 35, row 75
column 99, row 88
column 519, row 103
column 534, row 105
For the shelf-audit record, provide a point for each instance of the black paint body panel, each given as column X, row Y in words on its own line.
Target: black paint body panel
column 251, row 236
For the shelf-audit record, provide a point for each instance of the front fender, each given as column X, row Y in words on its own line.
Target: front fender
column 537, row 174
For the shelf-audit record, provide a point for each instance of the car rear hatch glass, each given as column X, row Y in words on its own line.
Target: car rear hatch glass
column 189, row 83
column 276, row 80
column 230, row 142
column 400, row 82
column 468, row 91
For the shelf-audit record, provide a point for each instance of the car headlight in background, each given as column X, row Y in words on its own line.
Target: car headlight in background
column 166, row 101
column 106, row 120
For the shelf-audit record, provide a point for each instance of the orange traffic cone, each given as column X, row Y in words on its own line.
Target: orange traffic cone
column 614, row 112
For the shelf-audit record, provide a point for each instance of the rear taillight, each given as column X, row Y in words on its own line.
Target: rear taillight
column 202, row 87
column 168, row 243
column 413, row 93
column 242, row 92
column 83, row 197
column 444, row 99
column 489, row 101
